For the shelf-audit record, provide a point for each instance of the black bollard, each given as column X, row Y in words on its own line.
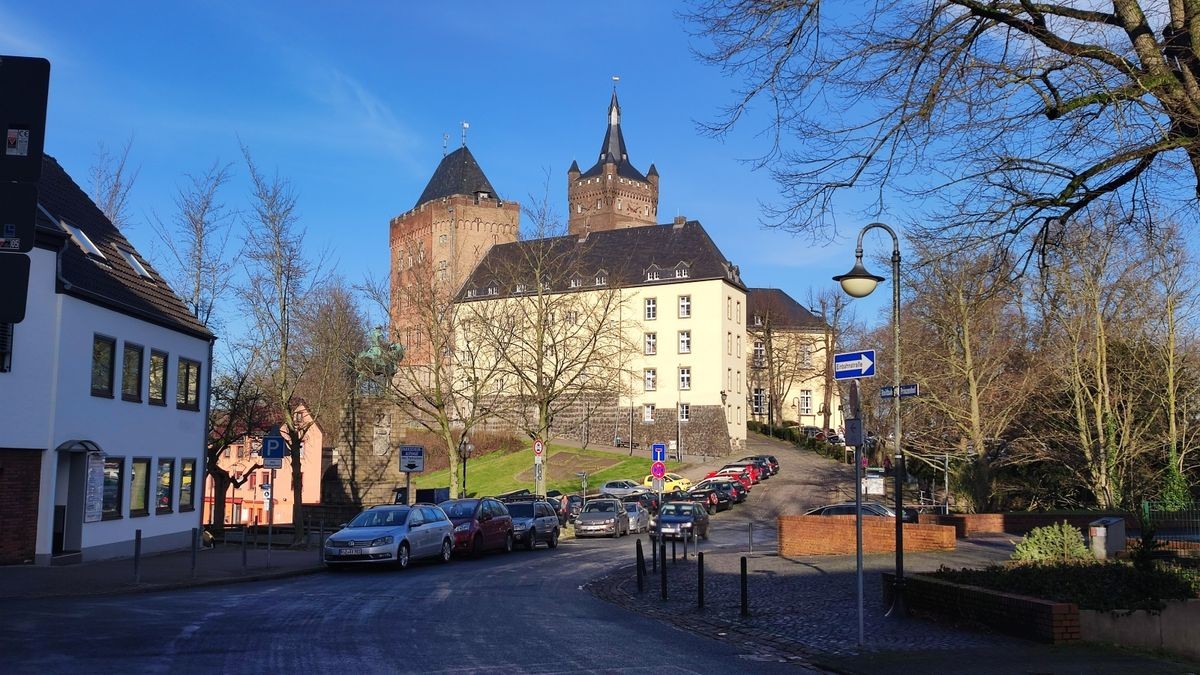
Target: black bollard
column 641, row 568
column 745, row 597
column 654, row 552
column 195, row 548
column 685, row 543
column 137, row 556
column 243, row 548
column 672, row 549
column 700, row 580
column 662, row 580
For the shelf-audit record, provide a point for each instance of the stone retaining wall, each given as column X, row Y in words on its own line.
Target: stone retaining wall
column 1176, row 629
column 1019, row 615
column 834, row 535
column 972, row 524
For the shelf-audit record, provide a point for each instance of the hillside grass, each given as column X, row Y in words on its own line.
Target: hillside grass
column 497, row 473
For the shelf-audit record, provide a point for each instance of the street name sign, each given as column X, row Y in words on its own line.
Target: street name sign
column 272, row 462
column 906, row 390
column 851, row 365
column 658, row 452
column 412, row 458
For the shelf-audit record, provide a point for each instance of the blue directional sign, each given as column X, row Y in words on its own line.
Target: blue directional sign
column 851, row 365
column 658, row 452
column 273, row 447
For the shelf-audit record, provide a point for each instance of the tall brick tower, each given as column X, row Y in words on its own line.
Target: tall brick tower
column 612, row 194
column 457, row 218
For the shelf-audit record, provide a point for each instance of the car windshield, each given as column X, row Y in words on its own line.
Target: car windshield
column 380, row 518
column 599, row 507
column 676, row 510
column 520, row 510
column 461, row 508
column 632, row 507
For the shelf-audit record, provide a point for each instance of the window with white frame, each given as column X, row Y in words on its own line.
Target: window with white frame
column 806, row 402
column 572, row 317
column 521, row 288
column 685, row 342
column 651, row 375
column 651, row 309
column 729, row 344
column 651, row 343
column 685, row 378
column 685, row 306
column 758, row 401
column 757, row 320
column 806, row 356
column 738, row 338
column 729, row 380
column 681, row 273
column 652, row 275
column 760, row 354
column 738, row 379
column 576, row 282
column 737, row 315
column 648, row 412
column 729, row 307
column 601, row 279
column 685, row 412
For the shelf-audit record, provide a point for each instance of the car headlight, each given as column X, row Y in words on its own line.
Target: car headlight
column 465, row 527
column 610, row 521
column 520, row 526
column 382, row 541
column 685, row 524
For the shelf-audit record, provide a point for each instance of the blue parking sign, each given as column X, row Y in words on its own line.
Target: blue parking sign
column 658, row 452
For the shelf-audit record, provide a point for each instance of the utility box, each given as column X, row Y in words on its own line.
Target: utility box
column 1107, row 536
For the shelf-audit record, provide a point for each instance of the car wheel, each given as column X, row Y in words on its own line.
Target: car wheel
column 508, row 542
column 616, row 531
column 402, row 556
column 477, row 546
column 447, row 550
column 532, row 541
column 553, row 543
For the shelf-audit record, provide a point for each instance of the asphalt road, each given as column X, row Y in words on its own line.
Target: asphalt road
column 518, row 612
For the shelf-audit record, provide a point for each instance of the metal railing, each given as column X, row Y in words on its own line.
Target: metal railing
column 1176, row 528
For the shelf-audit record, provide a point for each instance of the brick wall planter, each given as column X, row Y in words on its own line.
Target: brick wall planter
column 972, row 524
column 834, row 535
column 1019, row 615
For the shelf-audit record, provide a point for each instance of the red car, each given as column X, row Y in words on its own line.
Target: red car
column 479, row 525
column 741, row 475
column 750, row 467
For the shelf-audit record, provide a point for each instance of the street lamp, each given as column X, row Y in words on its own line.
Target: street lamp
column 859, row 283
column 464, row 452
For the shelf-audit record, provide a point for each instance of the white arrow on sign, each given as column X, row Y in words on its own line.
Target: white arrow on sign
column 851, row 365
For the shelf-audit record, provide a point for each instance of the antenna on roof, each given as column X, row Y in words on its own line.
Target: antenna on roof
column 465, row 126
column 445, row 142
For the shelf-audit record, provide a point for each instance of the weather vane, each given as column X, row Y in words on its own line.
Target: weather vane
column 465, row 126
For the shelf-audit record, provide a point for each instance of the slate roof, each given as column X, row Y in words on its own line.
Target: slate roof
column 776, row 306
column 625, row 256
column 612, row 150
column 112, row 282
column 457, row 174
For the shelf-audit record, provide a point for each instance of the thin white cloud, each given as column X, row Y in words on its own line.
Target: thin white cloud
column 20, row 37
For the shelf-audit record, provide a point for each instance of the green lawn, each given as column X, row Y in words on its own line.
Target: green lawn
column 497, row 473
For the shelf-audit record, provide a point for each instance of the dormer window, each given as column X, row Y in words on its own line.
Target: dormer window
column 681, row 273
column 757, row 320
column 652, row 275
column 601, row 278
column 521, row 288
column 576, row 282
column 491, row 290
column 471, row 293
column 82, row 240
column 135, row 263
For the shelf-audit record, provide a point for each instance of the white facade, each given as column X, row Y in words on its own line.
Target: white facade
column 49, row 406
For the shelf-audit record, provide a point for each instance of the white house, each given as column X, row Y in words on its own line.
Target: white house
column 103, row 395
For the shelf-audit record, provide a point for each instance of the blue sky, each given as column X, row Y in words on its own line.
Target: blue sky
column 351, row 106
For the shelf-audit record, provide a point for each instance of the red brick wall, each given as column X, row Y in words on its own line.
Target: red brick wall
column 1019, row 615
column 971, row 524
column 20, row 475
column 834, row 535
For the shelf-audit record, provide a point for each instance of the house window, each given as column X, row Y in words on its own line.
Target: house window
column 6, row 344
column 738, row 339
column 651, row 343
column 187, row 485
column 651, row 375
column 738, row 379
column 158, row 377
column 572, row 317
column 758, row 401
column 651, row 309
column 163, row 486
column 757, row 320
column 187, row 393
column 729, row 380
column 652, row 275
column 83, row 241
column 737, row 316
column 103, row 353
column 442, row 239
column 806, row 402
column 521, row 288
column 618, row 203
column 729, row 344
column 601, row 279
column 491, row 290
column 648, row 412
column 471, row 293
column 760, row 354
column 135, row 263
column 685, row 412
column 681, row 273
column 114, row 474
column 131, row 373
column 685, row 379
column 685, row 342
column 728, row 307
column 576, row 283
column 685, row 306
column 806, row 356
column 139, row 487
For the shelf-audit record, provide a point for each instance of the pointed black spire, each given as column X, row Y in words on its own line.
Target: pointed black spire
column 457, row 174
column 653, row 171
column 574, row 167
column 612, row 150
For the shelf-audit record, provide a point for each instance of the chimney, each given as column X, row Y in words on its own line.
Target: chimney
column 679, row 221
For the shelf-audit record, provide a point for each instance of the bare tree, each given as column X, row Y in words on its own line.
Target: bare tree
column 782, row 350
column 238, row 408
column 834, row 308
column 279, row 281
column 1018, row 114
column 112, row 181
column 197, row 238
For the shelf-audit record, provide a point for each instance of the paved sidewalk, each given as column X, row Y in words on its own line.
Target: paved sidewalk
column 219, row 565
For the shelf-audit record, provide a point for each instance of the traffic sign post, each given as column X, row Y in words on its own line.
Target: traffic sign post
column 852, row 365
column 539, row 450
column 412, row 460
column 539, row 453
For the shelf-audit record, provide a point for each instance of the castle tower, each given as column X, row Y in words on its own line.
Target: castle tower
column 457, row 218
column 612, row 194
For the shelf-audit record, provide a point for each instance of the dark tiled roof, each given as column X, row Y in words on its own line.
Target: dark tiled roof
column 457, row 174
column 625, row 256
column 112, row 283
column 779, row 308
column 613, row 151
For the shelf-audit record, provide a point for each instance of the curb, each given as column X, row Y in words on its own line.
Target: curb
column 170, row 586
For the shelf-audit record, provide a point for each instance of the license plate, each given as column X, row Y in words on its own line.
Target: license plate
column 350, row 551
column 671, row 530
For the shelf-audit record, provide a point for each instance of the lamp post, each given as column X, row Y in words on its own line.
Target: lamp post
column 464, row 452
column 859, row 283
